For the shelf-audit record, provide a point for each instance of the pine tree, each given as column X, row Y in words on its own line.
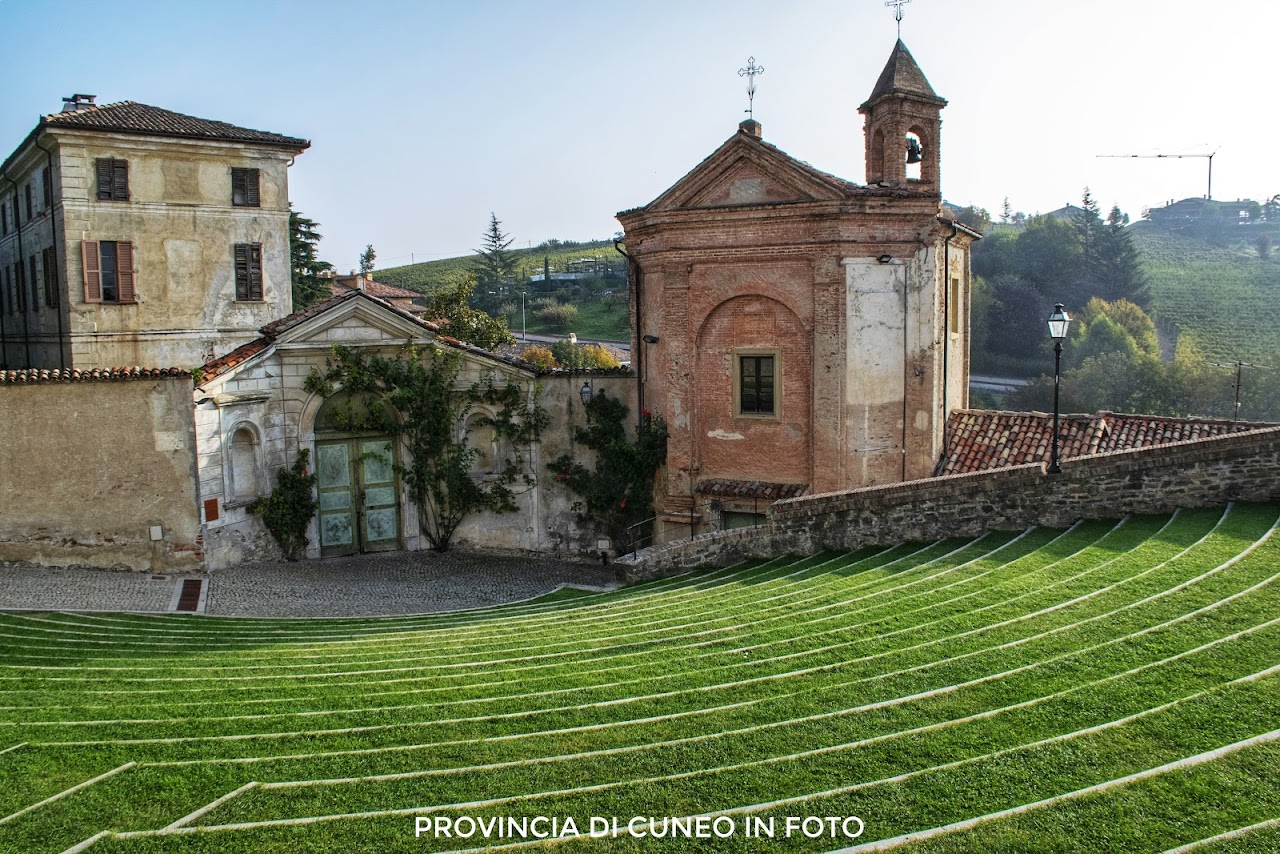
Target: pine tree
column 495, row 268
column 367, row 258
column 1088, row 225
column 306, row 268
column 1006, row 211
column 1118, row 264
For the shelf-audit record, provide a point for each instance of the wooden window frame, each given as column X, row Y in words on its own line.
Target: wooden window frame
column 739, row 355
column 113, row 179
column 245, row 188
column 125, row 272
column 248, row 272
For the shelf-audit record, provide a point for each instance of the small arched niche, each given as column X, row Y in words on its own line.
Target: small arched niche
column 244, row 465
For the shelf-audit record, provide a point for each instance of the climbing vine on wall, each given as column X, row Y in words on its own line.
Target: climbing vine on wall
column 288, row 509
column 415, row 396
column 618, row 491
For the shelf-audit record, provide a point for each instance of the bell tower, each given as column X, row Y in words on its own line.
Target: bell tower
column 903, row 127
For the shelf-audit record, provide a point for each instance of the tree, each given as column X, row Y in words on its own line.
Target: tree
column 1117, row 266
column 1088, row 227
column 495, row 266
column 367, row 258
column 618, row 492
column 1263, row 245
column 452, row 307
column 1006, row 211
column 415, row 397
column 306, row 268
column 974, row 217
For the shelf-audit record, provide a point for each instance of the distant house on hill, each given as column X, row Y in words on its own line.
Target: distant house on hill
column 1067, row 213
column 401, row 298
column 1190, row 212
column 134, row 235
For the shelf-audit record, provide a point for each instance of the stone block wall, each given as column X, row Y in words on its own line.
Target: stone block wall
column 1197, row 473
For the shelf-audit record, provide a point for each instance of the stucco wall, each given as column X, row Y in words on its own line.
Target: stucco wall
column 87, row 468
column 1197, row 473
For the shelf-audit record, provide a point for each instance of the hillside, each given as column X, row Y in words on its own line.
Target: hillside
column 1223, row 295
column 429, row 276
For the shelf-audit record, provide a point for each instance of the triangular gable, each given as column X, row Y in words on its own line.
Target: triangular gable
column 747, row 171
column 355, row 320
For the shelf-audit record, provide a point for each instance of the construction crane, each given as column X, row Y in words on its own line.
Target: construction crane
column 1208, row 195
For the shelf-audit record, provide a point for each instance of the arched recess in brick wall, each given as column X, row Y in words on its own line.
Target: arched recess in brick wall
column 749, row 344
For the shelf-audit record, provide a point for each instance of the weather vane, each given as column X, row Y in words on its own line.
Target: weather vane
column 750, row 73
column 897, row 12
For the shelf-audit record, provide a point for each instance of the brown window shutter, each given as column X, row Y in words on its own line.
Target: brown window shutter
column 92, row 270
column 35, row 285
column 120, row 179
column 124, row 271
column 242, row 271
column 251, row 187
column 104, row 177
column 255, row 271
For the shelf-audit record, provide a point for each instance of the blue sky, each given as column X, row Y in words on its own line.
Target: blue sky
column 425, row 116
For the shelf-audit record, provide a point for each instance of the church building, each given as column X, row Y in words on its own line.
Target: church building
column 801, row 333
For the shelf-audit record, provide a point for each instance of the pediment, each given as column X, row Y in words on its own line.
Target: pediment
column 746, row 171
column 359, row 320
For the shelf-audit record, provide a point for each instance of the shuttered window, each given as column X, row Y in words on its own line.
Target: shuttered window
column 248, row 271
column 4, row 219
column 35, row 285
column 244, row 188
column 108, row 271
column 48, row 187
column 50, row 276
column 113, row 179
column 20, row 286
column 31, row 200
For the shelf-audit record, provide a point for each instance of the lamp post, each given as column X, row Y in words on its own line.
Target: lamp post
column 586, row 393
column 524, row 327
column 1058, row 323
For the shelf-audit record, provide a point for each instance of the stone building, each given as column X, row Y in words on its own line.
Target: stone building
column 133, row 235
column 801, row 333
column 253, row 413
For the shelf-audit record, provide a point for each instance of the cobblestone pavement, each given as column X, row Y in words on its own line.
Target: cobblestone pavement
column 361, row 585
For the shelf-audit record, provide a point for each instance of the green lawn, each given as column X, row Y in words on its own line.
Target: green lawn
column 1112, row 687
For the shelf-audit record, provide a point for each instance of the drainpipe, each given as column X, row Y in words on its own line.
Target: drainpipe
column 637, row 354
column 946, row 340
column 17, row 227
column 65, row 295
column 4, row 335
column 906, row 322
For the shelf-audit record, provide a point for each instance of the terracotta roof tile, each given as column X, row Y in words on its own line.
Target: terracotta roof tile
column 980, row 440
column 32, row 376
column 752, row 489
column 132, row 117
column 373, row 289
column 235, row 357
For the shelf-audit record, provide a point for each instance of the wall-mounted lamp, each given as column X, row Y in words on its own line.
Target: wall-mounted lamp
column 650, row 339
column 885, row 259
column 585, row 393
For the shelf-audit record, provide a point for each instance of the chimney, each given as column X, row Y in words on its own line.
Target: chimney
column 752, row 127
column 78, row 102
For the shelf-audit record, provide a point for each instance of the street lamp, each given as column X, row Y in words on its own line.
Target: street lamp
column 1058, row 323
column 585, row 392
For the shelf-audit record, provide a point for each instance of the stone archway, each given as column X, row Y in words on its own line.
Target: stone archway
column 356, row 482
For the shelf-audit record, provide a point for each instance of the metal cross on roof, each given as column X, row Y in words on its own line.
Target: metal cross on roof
column 897, row 12
column 750, row 73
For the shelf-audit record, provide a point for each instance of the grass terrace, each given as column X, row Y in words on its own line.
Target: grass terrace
column 1111, row 687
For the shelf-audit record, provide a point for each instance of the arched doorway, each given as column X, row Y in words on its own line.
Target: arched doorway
column 356, row 481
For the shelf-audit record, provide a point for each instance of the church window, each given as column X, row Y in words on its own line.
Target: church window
column 756, row 385
column 113, row 179
column 108, row 271
column 248, row 272
column 244, row 188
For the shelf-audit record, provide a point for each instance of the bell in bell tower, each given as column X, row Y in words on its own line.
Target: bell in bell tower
column 903, row 127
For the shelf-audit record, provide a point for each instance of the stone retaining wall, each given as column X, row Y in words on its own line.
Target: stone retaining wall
column 1196, row 473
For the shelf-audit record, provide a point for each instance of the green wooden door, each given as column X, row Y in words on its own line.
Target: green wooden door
column 359, row 510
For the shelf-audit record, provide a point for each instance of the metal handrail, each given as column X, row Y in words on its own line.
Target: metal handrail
column 632, row 541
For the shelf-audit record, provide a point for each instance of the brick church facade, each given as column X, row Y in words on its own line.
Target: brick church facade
column 801, row 333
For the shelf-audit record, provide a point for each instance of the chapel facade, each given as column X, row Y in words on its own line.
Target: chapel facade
column 798, row 332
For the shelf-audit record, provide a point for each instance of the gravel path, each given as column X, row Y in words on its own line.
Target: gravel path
column 361, row 585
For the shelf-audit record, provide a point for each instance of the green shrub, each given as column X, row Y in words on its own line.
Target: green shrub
column 288, row 509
